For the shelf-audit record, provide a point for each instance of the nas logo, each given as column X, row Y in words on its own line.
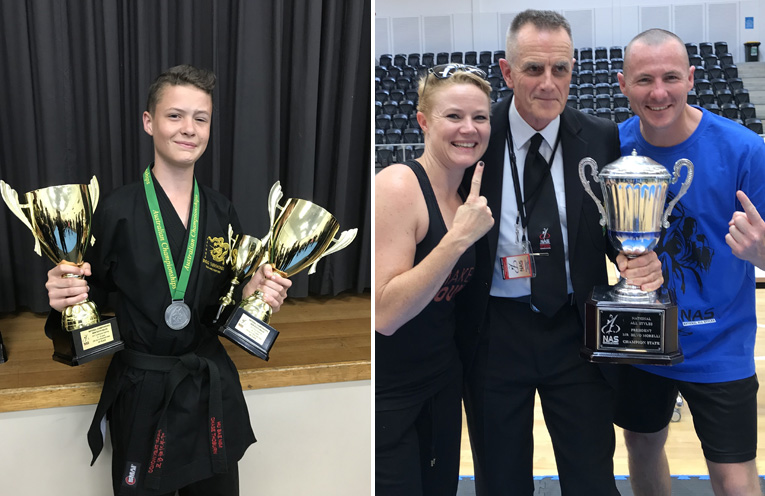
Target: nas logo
column 610, row 339
column 216, row 251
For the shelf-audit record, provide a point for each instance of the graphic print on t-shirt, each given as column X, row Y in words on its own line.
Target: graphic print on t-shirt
column 685, row 256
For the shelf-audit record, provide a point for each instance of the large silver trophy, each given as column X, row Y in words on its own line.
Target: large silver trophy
column 624, row 324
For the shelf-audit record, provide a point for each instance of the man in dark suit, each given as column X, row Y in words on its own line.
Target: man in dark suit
column 528, row 330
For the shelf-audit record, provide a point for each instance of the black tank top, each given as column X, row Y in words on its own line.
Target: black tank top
column 421, row 356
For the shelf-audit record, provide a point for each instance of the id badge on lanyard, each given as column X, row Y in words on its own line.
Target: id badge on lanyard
column 518, row 262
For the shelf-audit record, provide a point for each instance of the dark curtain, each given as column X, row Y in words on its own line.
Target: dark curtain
column 292, row 103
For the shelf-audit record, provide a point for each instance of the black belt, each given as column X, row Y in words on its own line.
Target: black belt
column 177, row 369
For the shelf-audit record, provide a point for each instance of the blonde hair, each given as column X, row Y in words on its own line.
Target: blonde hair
column 429, row 83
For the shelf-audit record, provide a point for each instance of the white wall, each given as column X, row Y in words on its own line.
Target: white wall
column 406, row 26
column 312, row 440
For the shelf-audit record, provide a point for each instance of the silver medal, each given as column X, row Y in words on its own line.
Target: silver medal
column 177, row 315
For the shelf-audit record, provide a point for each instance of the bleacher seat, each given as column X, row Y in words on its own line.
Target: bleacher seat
column 586, row 53
column 731, row 71
column 390, row 107
column 747, row 111
column 495, row 69
column 396, row 95
column 586, row 101
column 573, row 89
column 712, row 107
column 572, row 101
column 695, row 60
column 601, row 76
column 442, row 58
column 496, row 82
column 613, row 75
column 615, row 88
column 383, row 121
column 394, row 71
column 726, row 59
column 703, row 84
column 505, row 92
column 692, row 98
column 720, row 47
column 393, row 136
column 403, row 83
column 706, row 48
column 710, row 60
column 484, row 68
column 620, row 100
column 384, row 155
column 412, row 135
column 413, row 59
column 692, row 49
column 602, row 64
column 699, row 73
column 603, row 101
column 586, row 65
column 602, row 89
column 729, row 110
column 456, row 58
column 586, row 77
column 705, row 97
column 471, row 58
column 377, row 83
column 386, row 60
column 601, row 52
column 575, row 76
column 604, row 113
column 754, row 124
column 724, row 96
column 399, row 121
column 381, row 71
column 413, row 123
column 735, row 84
column 399, row 60
column 741, row 96
column 616, row 52
column 379, row 137
column 498, row 54
column 739, row 121
column 410, row 71
column 617, row 63
column 411, row 95
column 484, row 57
column 718, row 84
column 586, row 89
column 428, row 59
column 378, row 108
column 406, row 106
column 590, row 111
column 621, row 114
column 715, row 72
column 388, row 83
column 382, row 95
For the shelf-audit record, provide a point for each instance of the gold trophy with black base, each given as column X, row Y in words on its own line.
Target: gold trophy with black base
column 299, row 237
column 60, row 219
column 624, row 324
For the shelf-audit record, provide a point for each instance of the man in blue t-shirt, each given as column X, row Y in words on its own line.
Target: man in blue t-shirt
column 716, row 237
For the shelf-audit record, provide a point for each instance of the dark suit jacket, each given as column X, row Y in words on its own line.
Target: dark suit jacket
column 582, row 136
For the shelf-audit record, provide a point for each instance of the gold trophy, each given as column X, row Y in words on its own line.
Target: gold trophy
column 60, row 218
column 301, row 235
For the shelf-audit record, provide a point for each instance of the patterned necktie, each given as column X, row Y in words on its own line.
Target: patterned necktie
column 548, row 289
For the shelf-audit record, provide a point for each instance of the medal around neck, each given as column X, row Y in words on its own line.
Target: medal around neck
column 300, row 235
column 60, row 219
column 624, row 324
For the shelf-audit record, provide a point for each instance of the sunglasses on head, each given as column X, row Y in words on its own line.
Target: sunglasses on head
column 444, row 71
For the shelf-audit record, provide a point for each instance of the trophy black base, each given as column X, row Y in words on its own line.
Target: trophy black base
column 625, row 332
column 86, row 344
column 249, row 333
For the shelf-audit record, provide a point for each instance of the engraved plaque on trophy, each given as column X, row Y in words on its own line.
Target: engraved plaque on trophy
column 60, row 220
column 624, row 324
column 299, row 237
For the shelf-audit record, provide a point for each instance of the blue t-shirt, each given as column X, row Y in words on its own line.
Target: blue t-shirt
column 714, row 290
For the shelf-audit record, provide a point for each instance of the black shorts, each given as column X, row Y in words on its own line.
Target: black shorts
column 724, row 413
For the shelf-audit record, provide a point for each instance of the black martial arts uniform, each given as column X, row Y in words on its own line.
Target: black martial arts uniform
column 173, row 398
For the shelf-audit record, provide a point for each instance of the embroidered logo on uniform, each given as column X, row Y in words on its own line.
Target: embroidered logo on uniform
column 131, row 474
column 216, row 251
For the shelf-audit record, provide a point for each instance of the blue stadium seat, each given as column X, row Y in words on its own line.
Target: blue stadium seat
column 586, row 89
column 586, row 102
column 603, row 89
column 586, row 76
column 572, row 101
column 603, row 101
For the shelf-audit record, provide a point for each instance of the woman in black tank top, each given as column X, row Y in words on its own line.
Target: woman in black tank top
column 424, row 236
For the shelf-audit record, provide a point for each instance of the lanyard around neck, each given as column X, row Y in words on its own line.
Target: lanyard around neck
column 519, row 199
column 177, row 285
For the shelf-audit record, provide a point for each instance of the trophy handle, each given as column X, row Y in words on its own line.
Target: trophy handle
column 683, row 189
column 346, row 237
column 232, row 239
column 11, row 199
column 273, row 200
column 594, row 173
column 95, row 195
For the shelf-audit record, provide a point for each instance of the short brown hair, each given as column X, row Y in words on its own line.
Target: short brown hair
column 180, row 75
column 544, row 20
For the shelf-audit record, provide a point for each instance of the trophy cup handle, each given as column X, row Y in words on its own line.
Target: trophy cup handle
column 232, row 238
column 273, row 201
column 95, row 192
column 594, row 173
column 11, row 199
column 346, row 237
column 683, row 189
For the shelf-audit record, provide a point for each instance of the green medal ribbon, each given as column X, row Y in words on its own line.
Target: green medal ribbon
column 177, row 285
